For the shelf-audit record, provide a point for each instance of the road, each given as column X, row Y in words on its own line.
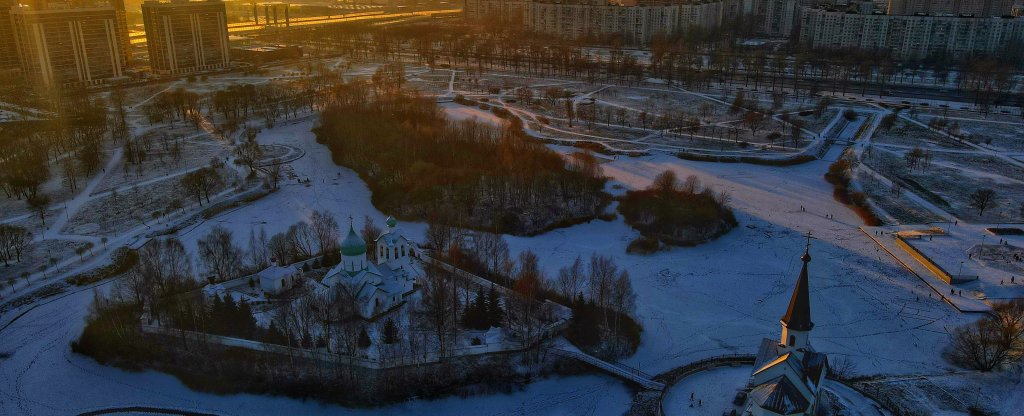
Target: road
column 250, row 27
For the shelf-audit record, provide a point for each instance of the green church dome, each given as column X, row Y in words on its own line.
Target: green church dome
column 391, row 221
column 353, row 244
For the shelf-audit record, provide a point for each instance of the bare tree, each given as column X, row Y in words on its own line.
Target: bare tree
column 982, row 199
column 623, row 299
column 280, row 248
column 259, row 250
column 603, row 271
column 274, row 174
column 370, row 232
column 665, row 182
column 440, row 235
column 219, row 254
column 571, row 279
column 163, row 268
column 438, row 308
column 200, row 183
column 493, row 250
column 842, row 367
column 992, row 341
column 39, row 204
column 915, row 157
column 249, row 153
column 301, row 241
column 691, row 185
column 324, row 229
column 754, row 120
column 13, row 242
column 69, row 171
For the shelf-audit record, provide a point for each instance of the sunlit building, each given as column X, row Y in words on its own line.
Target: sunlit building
column 8, row 51
column 636, row 21
column 69, row 45
column 186, row 36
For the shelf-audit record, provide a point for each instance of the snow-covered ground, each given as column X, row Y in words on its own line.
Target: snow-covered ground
column 707, row 393
column 721, row 297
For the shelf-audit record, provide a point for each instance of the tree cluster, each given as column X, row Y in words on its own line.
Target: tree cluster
column 420, row 165
column 485, row 311
column 682, row 213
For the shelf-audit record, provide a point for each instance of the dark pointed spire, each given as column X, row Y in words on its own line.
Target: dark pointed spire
column 798, row 315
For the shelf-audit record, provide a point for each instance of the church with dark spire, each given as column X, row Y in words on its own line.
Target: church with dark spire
column 788, row 373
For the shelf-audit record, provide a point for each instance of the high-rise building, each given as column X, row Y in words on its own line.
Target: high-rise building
column 69, row 45
column 975, row 8
column 8, row 52
column 635, row 21
column 910, row 37
column 186, row 36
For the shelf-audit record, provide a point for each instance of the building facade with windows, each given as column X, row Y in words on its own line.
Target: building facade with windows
column 974, row 8
column 910, row 37
column 8, row 50
column 186, row 36
column 69, row 46
column 637, row 21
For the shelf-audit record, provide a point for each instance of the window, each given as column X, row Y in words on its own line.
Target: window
column 792, row 340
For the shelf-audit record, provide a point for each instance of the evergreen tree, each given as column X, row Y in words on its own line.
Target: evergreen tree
column 364, row 339
column 246, row 323
column 275, row 336
column 495, row 314
column 215, row 315
column 390, row 332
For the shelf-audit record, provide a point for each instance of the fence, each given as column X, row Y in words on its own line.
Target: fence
column 674, row 375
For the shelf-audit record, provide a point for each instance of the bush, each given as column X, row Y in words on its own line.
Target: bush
column 753, row 160
column 839, row 176
column 643, row 245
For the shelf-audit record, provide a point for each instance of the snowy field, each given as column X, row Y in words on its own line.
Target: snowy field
column 721, row 297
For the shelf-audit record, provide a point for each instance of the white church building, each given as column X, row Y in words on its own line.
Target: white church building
column 788, row 373
column 377, row 287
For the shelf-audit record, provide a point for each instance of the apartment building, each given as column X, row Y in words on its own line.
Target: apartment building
column 69, row 45
column 975, row 8
column 637, row 21
column 910, row 37
column 186, row 36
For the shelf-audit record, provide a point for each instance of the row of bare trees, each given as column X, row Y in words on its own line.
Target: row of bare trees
column 14, row 242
